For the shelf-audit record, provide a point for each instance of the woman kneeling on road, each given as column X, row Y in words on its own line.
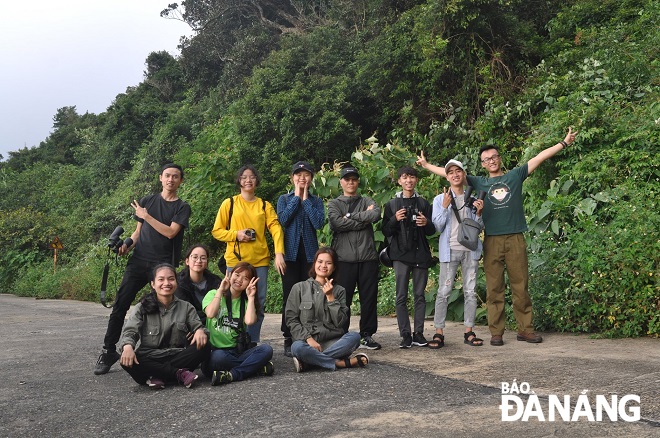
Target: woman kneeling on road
column 316, row 312
column 172, row 337
column 229, row 311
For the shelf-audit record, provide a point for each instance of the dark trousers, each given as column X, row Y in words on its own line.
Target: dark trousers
column 241, row 366
column 137, row 275
column 295, row 272
column 420, row 276
column 364, row 275
column 166, row 367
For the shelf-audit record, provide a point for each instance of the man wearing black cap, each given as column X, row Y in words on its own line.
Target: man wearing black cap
column 351, row 217
column 300, row 213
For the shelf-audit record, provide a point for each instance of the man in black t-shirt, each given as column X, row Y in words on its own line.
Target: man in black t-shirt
column 157, row 239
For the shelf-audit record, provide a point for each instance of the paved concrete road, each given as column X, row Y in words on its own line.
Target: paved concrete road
column 47, row 389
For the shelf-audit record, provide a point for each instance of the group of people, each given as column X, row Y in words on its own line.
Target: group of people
column 194, row 318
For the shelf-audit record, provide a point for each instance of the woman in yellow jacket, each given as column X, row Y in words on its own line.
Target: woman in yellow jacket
column 242, row 222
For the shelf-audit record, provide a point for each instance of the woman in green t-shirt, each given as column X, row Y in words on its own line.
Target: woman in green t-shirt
column 229, row 310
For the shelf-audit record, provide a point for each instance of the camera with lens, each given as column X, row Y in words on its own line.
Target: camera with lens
column 251, row 233
column 412, row 212
column 469, row 199
column 244, row 342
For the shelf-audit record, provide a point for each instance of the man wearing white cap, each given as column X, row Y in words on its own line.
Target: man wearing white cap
column 452, row 254
column 504, row 244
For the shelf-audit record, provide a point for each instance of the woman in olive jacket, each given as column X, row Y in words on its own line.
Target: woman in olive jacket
column 163, row 339
column 315, row 313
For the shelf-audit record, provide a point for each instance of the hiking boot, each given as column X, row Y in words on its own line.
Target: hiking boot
column 105, row 362
column 287, row 347
column 369, row 343
column 155, row 383
column 419, row 340
column 268, row 369
column 406, row 342
column 531, row 337
column 186, row 378
column 496, row 340
column 221, row 377
column 298, row 365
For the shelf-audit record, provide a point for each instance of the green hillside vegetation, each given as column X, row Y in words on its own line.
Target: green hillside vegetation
column 374, row 82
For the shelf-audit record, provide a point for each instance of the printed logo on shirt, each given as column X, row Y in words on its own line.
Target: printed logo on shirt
column 224, row 324
column 499, row 194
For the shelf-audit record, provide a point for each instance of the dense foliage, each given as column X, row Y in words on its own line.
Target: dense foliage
column 374, row 82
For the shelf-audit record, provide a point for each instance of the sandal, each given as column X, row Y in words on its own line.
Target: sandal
column 474, row 341
column 361, row 361
column 438, row 341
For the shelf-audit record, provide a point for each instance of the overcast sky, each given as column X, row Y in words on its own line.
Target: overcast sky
column 81, row 53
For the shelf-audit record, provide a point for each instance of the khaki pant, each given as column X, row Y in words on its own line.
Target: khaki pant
column 509, row 252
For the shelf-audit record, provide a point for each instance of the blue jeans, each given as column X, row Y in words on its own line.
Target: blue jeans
column 448, row 270
column 341, row 349
column 243, row 365
column 262, row 286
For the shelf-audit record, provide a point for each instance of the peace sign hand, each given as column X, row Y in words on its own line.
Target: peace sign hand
column 446, row 199
column 251, row 290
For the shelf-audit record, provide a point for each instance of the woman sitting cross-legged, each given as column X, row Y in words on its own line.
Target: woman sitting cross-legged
column 229, row 310
column 172, row 339
column 315, row 313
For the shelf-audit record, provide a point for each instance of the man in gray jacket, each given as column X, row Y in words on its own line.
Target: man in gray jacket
column 351, row 217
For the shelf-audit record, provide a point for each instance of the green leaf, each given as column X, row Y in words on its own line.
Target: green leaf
column 555, row 227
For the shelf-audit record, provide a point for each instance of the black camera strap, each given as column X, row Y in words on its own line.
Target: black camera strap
column 104, row 281
column 237, row 244
column 241, row 322
column 453, row 207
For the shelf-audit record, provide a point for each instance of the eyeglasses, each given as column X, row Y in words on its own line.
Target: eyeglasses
column 195, row 257
column 490, row 159
column 248, row 178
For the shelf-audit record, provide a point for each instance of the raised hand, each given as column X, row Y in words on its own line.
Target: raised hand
column 251, row 290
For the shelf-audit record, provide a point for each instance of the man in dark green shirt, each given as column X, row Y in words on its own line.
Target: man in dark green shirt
column 504, row 243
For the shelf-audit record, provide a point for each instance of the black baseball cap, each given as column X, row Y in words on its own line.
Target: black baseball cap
column 302, row 165
column 349, row 171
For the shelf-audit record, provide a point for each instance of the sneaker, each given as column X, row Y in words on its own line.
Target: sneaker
column 186, row 378
column 299, row 365
column 155, row 383
column 406, row 342
column 221, row 377
column 369, row 343
column 268, row 369
column 287, row 347
column 105, row 362
column 419, row 340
